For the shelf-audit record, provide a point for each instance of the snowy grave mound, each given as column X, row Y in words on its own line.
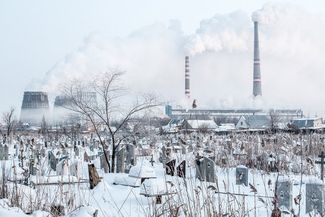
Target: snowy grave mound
column 142, row 170
column 156, row 187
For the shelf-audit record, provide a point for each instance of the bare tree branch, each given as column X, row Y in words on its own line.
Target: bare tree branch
column 108, row 108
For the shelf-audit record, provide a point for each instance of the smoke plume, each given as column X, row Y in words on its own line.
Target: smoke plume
column 221, row 59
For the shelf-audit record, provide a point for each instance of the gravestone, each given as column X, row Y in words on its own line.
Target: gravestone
column 130, row 156
column 32, row 168
column 181, row 169
column 16, row 150
column 170, row 167
column 210, row 170
column 205, row 169
column 1, row 152
column 242, row 175
column 284, row 194
column 120, row 158
column 5, row 152
column 94, row 178
column 103, row 162
column 200, row 168
column 314, row 197
column 52, row 160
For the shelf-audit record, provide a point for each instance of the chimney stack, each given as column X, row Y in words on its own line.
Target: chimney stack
column 257, row 87
column 187, row 77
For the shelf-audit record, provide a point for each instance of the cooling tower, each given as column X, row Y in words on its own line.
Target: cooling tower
column 187, row 77
column 257, row 87
column 35, row 106
column 64, row 111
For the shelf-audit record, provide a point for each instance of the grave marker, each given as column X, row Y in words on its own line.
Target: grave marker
column 170, row 167
column 242, row 175
column 120, row 158
column 94, row 178
column 5, row 152
column 321, row 162
column 181, row 169
column 314, row 197
column 284, row 194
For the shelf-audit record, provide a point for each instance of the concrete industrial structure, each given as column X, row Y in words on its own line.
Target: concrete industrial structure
column 35, row 107
column 257, row 86
column 231, row 115
column 187, row 78
column 63, row 107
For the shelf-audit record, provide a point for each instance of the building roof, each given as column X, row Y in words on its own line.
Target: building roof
column 257, row 121
column 305, row 122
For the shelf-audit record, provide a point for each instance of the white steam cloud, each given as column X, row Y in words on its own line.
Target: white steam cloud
column 221, row 64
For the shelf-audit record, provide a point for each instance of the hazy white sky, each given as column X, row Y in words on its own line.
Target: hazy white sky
column 36, row 34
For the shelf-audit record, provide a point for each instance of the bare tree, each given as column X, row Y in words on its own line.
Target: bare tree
column 274, row 120
column 9, row 122
column 109, row 111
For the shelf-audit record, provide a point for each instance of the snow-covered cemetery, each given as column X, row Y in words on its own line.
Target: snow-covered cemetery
column 223, row 118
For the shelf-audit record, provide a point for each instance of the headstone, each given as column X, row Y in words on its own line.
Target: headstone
column 1, row 152
column 205, row 169
column 210, row 170
column 242, row 175
column 32, row 169
column 16, row 150
column 322, row 163
column 52, row 160
column 200, row 168
column 120, row 158
column 94, row 178
column 170, row 167
column 5, row 152
column 314, row 197
column 130, row 156
column 181, row 169
column 284, row 194
column 103, row 162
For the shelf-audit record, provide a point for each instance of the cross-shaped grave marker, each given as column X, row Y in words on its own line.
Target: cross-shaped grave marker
column 152, row 160
column 321, row 162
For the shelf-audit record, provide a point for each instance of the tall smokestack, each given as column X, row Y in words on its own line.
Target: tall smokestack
column 187, row 77
column 257, row 87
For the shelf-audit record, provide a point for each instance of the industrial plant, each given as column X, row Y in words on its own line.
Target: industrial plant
column 260, row 117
